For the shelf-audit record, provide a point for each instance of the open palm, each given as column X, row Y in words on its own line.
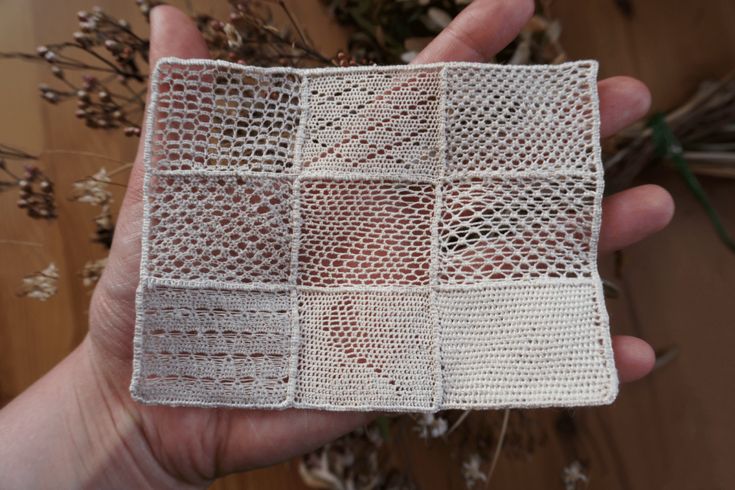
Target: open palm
column 192, row 445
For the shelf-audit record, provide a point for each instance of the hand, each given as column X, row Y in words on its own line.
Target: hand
column 163, row 446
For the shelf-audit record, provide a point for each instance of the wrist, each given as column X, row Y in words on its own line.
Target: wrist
column 111, row 436
column 74, row 429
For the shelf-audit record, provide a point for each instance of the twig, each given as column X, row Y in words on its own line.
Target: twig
column 458, row 422
column 121, row 168
column 710, row 156
column 295, row 24
column 665, row 357
column 106, row 182
column 703, row 95
column 90, row 155
column 10, row 152
column 498, row 447
column 5, row 169
column 21, row 242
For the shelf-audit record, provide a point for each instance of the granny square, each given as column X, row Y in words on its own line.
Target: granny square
column 398, row 238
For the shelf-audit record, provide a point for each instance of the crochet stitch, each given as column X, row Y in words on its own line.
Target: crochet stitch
column 403, row 238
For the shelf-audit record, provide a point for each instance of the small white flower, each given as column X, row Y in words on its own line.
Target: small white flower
column 93, row 190
column 92, row 271
column 431, row 426
column 234, row 39
column 471, row 471
column 436, row 19
column 41, row 285
column 408, row 56
column 573, row 474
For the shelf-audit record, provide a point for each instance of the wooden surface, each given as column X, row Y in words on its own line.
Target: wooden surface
column 672, row 430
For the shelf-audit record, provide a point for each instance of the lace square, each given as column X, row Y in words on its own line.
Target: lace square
column 523, row 119
column 540, row 351
column 209, row 347
column 225, row 118
column 362, row 349
column 365, row 233
column 222, row 229
column 382, row 123
column 495, row 228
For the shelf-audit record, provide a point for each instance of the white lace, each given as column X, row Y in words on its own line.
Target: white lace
column 408, row 238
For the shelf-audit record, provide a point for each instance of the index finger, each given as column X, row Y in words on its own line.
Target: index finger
column 479, row 32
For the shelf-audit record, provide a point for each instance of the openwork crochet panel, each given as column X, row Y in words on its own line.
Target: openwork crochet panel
column 408, row 238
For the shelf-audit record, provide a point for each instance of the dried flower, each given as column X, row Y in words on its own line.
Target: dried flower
column 41, row 285
column 352, row 462
column 315, row 472
column 573, row 474
column 92, row 271
column 471, row 471
column 36, row 193
column 112, row 50
column 93, row 190
column 251, row 37
column 430, row 425
column 408, row 56
column 234, row 39
column 48, row 93
column 145, row 6
column 436, row 19
column 344, row 60
column 132, row 131
column 104, row 227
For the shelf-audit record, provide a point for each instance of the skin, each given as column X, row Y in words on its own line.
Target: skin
column 78, row 427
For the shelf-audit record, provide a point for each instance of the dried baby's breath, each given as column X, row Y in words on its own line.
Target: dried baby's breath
column 92, row 271
column 430, row 425
column 472, row 472
column 356, row 461
column 573, row 475
column 93, row 190
column 41, row 285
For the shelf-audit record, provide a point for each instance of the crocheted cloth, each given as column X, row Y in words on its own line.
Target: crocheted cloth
column 407, row 238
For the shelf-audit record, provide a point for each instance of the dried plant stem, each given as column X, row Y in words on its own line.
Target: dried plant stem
column 21, row 243
column 498, row 447
column 89, row 154
column 665, row 357
column 105, row 182
column 699, row 98
column 727, row 157
column 305, row 44
column 121, row 168
column 10, row 152
column 292, row 19
column 459, row 421
column 67, row 65
column 11, row 174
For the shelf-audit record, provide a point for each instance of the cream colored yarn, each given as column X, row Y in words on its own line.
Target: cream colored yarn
column 408, row 238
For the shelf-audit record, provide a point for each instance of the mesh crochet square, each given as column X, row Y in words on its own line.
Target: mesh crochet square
column 409, row 238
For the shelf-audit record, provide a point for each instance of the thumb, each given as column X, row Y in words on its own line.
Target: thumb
column 174, row 34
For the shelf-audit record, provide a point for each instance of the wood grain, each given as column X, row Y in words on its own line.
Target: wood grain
column 672, row 430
